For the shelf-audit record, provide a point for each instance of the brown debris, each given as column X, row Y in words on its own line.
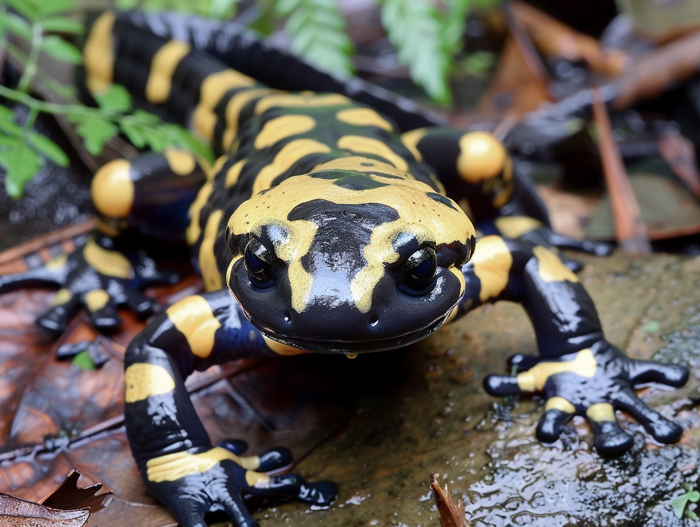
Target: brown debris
column 630, row 230
column 69, row 496
column 679, row 154
column 451, row 515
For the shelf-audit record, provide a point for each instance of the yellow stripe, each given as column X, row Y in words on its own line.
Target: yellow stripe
column 551, row 268
column 535, row 378
column 369, row 145
column 171, row 467
column 233, row 111
column 601, row 412
column 290, row 100
column 180, row 162
column 363, row 117
column 194, row 230
column 109, row 263
column 96, row 299
column 163, row 66
column 98, row 53
column 411, row 139
column 492, row 262
column 561, row 404
column 516, row 226
column 283, row 127
column 207, row 258
column 62, row 297
column 194, row 318
column 142, row 380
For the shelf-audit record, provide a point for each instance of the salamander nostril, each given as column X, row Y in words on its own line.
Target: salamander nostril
column 287, row 316
column 373, row 320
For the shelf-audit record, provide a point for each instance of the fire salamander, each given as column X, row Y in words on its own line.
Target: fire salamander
column 320, row 228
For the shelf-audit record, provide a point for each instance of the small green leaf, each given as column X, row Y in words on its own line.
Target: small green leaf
column 95, row 133
column 62, row 25
column 115, row 99
column 155, row 138
column 651, row 327
column 48, row 148
column 17, row 25
column 678, row 505
column 146, row 117
column 61, row 50
column 29, row 9
column 83, row 361
column 21, row 164
column 134, row 132
column 693, row 496
column 50, row 7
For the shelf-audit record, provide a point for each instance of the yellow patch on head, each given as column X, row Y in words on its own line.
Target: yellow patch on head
column 492, row 262
column 163, row 64
column 112, row 190
column 285, row 158
column 535, row 378
column 96, row 299
column 481, row 156
column 283, row 127
column 516, row 226
column 194, row 318
column 143, row 380
column 551, row 268
column 108, row 263
column 180, row 162
column 369, row 145
column 363, row 117
column 418, row 214
column 98, row 53
column 207, row 258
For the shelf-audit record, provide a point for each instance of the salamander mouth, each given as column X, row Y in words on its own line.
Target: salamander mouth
column 357, row 346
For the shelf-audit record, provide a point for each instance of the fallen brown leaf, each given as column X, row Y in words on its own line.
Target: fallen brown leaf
column 16, row 512
column 68, row 496
column 450, row 515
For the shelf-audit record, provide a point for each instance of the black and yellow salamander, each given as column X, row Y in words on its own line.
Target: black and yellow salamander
column 320, row 228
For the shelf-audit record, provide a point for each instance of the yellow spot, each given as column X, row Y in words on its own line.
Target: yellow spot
column 481, row 156
column 282, row 349
column 285, row 158
column 516, row 226
column 163, row 66
column 180, row 162
column 418, row 214
column 193, row 229
column 112, row 189
column 96, row 299
column 535, row 378
column 411, row 139
column 108, row 263
column 62, row 297
column 233, row 111
column 290, row 100
column 460, row 278
column 601, row 412
column 98, row 53
column 551, row 268
column 56, row 263
column 213, row 88
column 453, row 313
column 492, row 262
column 142, row 380
column 363, row 117
column 366, row 165
column 171, row 467
column 207, row 258
column 369, row 145
column 351, row 355
column 559, row 403
column 283, row 127
column 257, row 479
column 193, row 318
column 233, row 173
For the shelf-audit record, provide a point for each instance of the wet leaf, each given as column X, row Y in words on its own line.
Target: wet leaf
column 68, row 496
column 16, row 512
column 450, row 515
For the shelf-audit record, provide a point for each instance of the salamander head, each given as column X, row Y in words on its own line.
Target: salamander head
column 348, row 261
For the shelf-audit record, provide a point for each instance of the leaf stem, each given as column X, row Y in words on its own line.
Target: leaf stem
column 25, row 82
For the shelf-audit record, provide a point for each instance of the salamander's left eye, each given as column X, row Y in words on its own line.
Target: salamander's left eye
column 258, row 262
column 419, row 270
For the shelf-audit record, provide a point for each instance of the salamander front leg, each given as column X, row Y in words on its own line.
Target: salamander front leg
column 177, row 461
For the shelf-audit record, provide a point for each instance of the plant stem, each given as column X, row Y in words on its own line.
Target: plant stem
column 25, row 83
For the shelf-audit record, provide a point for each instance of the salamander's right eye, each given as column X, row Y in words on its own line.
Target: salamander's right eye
column 259, row 262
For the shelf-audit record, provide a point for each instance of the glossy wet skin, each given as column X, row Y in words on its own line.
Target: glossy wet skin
column 341, row 268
